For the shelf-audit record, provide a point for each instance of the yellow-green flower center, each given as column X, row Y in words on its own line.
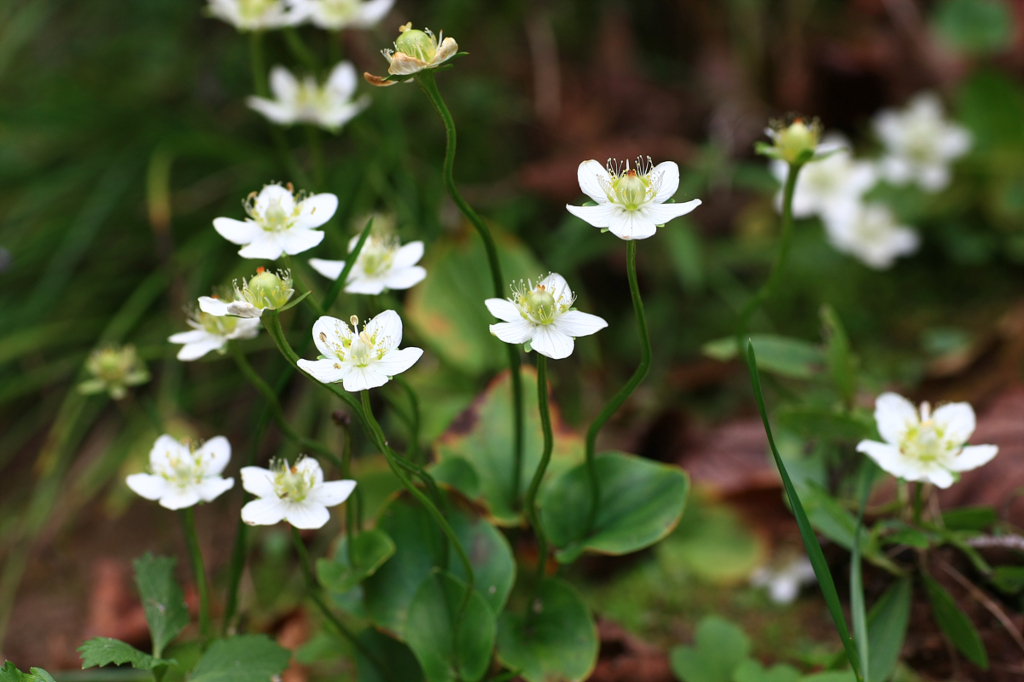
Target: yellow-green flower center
column 254, row 9
column 291, row 483
column 796, row 139
column 541, row 305
column 631, row 190
column 418, row 44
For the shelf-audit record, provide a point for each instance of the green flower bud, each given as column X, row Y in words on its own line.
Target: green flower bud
column 541, row 303
column 799, row 137
column 416, row 43
column 267, row 289
column 113, row 370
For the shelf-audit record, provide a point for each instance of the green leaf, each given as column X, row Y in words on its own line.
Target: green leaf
column 100, row 651
column 841, row 365
column 955, row 623
column 857, row 607
column 712, row 542
column 482, row 436
column 370, row 550
column 969, row 518
column 447, row 309
column 684, row 250
column 752, row 671
column 446, row 649
column 243, row 658
column 1009, row 579
column 719, row 649
column 887, row 628
column 388, row 593
column 975, row 26
column 991, row 104
column 641, row 502
column 814, row 553
column 459, row 474
column 9, row 673
column 830, row 676
column 162, row 599
column 794, row 358
column 812, row 421
column 556, row 640
column 397, row 659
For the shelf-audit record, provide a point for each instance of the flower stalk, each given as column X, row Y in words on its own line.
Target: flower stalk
column 616, row 402
column 188, row 523
column 426, row 81
column 545, row 459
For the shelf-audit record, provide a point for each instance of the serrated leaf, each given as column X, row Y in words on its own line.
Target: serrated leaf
column 955, row 623
column 9, row 673
column 162, row 599
column 243, row 658
column 101, row 651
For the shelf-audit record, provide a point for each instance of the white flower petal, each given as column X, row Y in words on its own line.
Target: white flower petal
column 147, row 485
column 598, row 216
column 515, row 333
column 372, row 12
column 577, row 324
column 934, row 177
column 246, row 329
column 556, row 285
column 396, row 361
column 309, row 467
column 236, row 231
column 333, row 492
column 404, row 278
column 197, row 349
column 165, row 449
column 275, row 112
column 212, row 487
column 660, row 214
column 408, row 255
column 331, row 269
column 213, row 306
column 274, row 193
column 503, row 309
column 330, row 335
column 215, row 454
column 315, row 210
column 364, row 378
column 325, row 371
column 386, row 329
column 974, row 456
column 667, row 175
column 283, row 84
column 179, row 498
column 590, row 175
column 370, row 286
column 191, row 336
column 938, row 477
column 342, row 80
column 894, row 414
column 886, row 456
column 957, row 422
column 307, row 514
column 295, row 241
column 244, row 309
column 628, row 225
column 258, row 481
column 552, row 342
column 266, row 511
column 445, row 51
column 264, row 247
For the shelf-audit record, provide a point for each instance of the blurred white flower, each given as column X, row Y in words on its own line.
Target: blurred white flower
column 265, row 290
column 869, row 233
column 335, row 15
column 180, row 476
column 359, row 359
column 543, row 316
column 329, row 106
column 830, row 185
column 113, row 369
column 920, row 143
column 279, row 222
column 383, row 263
column 415, row 51
column 784, row 582
column 254, row 15
column 926, row 446
column 212, row 333
column 296, row 494
column 630, row 201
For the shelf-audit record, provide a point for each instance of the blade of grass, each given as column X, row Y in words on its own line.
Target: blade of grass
column 814, row 553
column 858, row 612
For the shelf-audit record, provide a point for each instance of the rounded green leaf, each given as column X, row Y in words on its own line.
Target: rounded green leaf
column 370, row 549
column 388, row 593
column 557, row 640
column 396, row 659
column 449, row 647
column 641, row 502
column 712, row 542
column 718, row 650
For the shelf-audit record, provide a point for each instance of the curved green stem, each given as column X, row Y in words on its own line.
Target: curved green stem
column 313, row 590
column 765, row 292
column 616, row 402
column 300, row 50
column 426, row 81
column 277, row 411
column 538, row 475
column 188, row 523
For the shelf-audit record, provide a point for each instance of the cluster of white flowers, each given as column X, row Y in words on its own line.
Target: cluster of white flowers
column 920, row 144
column 333, row 15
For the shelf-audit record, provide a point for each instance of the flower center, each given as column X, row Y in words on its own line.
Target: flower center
column 290, row 483
column 926, row 443
column 631, row 189
column 541, row 305
column 340, row 10
column 254, row 9
column 275, row 218
column 417, row 44
column 376, row 256
column 362, row 350
column 183, row 472
column 218, row 326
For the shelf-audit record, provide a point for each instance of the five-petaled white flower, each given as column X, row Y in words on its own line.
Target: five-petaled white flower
column 415, row 51
column 359, row 359
column 212, row 333
column 335, row 15
column 383, row 263
column 930, row 446
column 279, row 222
column 828, row 186
column 870, row 233
column 329, row 106
column 254, row 15
column 182, row 476
column 263, row 291
column 630, row 201
column 294, row 493
column 920, row 144
column 543, row 316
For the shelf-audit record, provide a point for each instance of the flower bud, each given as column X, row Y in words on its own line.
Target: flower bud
column 797, row 139
column 113, row 370
column 416, row 43
column 267, row 289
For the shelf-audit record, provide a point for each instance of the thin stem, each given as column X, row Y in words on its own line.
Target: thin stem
column 316, row 155
column 616, row 402
column 350, row 261
column 300, row 50
column 765, row 292
column 426, row 81
column 538, row 475
column 918, row 502
column 277, row 411
column 313, row 590
column 188, row 523
column 414, row 427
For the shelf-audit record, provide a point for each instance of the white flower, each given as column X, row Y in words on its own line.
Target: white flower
column 329, row 105
column 415, row 51
column 930, row 446
column 829, row 185
column 383, row 263
column 212, row 333
column 359, row 359
column 920, row 143
column 335, row 15
column 263, row 291
column 784, row 582
column 630, row 201
column 543, row 316
column 869, row 232
column 296, row 494
column 181, row 476
column 279, row 222
column 254, row 15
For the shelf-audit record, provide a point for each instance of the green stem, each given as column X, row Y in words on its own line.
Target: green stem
column 277, row 411
column 918, row 502
column 414, row 427
column 188, row 523
column 300, row 50
column 313, row 590
column 765, row 292
column 350, row 261
column 538, row 475
column 426, row 81
column 316, row 155
column 256, row 64
column 616, row 402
